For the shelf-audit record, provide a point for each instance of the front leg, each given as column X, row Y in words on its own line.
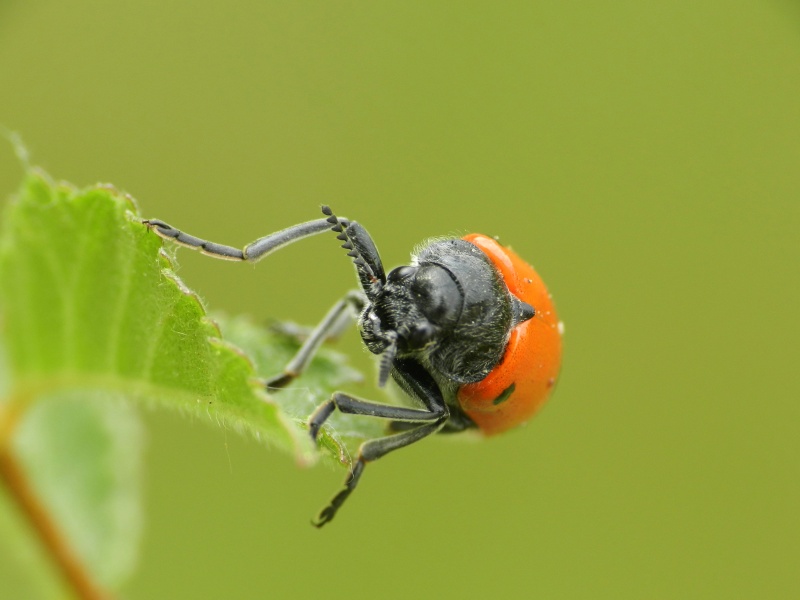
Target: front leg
column 253, row 252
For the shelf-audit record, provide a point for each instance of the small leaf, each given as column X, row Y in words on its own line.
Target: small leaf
column 82, row 451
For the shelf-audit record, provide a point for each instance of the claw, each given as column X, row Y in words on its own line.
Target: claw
column 279, row 382
column 318, row 418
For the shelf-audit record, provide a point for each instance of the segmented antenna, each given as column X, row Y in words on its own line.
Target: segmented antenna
column 387, row 359
column 352, row 251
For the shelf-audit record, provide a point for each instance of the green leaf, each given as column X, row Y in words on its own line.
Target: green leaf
column 90, row 300
column 93, row 319
column 82, row 452
column 328, row 371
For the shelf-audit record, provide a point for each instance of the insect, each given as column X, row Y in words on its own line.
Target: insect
column 467, row 330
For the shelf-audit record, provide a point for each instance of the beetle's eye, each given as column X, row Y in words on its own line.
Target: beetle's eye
column 401, row 273
column 438, row 295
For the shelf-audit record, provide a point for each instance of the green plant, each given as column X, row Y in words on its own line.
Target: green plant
column 94, row 321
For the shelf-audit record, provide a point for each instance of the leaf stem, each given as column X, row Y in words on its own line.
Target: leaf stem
column 13, row 476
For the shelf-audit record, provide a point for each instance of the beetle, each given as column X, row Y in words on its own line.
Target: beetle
column 467, row 330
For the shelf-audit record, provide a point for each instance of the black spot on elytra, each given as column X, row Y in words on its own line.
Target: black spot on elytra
column 505, row 395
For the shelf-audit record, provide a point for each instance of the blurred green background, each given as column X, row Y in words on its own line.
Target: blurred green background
column 644, row 156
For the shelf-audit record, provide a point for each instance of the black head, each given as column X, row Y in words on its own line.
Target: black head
column 414, row 308
column 450, row 309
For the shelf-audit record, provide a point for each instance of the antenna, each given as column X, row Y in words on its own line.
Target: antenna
column 340, row 227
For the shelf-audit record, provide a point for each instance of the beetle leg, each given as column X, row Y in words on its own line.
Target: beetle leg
column 252, row 252
column 369, row 451
column 354, row 406
column 330, row 325
column 412, row 377
column 419, row 384
column 456, row 423
column 356, row 239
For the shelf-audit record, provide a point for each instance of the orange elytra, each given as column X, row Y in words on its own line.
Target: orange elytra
column 520, row 384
